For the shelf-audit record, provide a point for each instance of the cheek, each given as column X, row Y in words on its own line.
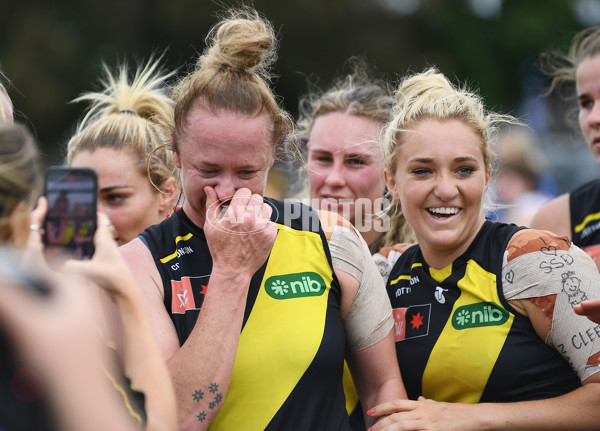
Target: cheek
column 370, row 183
column 582, row 120
column 315, row 179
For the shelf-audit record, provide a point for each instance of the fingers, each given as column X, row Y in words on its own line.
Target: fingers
column 212, row 203
column 104, row 231
column 39, row 213
column 392, row 407
column 34, row 248
column 243, row 207
column 590, row 309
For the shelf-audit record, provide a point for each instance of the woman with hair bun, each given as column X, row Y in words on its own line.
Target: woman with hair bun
column 489, row 337
column 125, row 137
column 256, row 302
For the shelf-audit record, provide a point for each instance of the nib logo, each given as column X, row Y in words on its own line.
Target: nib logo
column 478, row 315
column 296, row 285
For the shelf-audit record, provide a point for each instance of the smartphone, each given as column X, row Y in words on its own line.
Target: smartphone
column 71, row 219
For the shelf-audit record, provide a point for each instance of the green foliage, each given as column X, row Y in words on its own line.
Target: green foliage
column 51, row 51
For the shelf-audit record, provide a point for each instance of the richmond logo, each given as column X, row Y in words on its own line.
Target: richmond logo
column 297, row 285
column 478, row 315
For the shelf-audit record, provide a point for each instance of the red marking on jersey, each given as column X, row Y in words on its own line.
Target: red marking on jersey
column 203, row 291
column 399, row 323
column 531, row 240
column 546, row 304
column 594, row 360
column 416, row 321
column 182, row 297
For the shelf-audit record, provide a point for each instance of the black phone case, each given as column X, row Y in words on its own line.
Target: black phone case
column 71, row 221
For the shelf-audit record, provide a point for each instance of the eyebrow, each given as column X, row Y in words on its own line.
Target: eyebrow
column 431, row 160
column 112, row 188
column 347, row 155
column 214, row 165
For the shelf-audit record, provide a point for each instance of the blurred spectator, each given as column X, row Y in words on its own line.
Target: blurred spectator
column 521, row 185
column 49, row 335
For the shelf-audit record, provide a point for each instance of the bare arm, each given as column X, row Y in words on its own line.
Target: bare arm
column 554, row 216
column 366, row 311
column 577, row 410
column 201, row 368
column 143, row 362
column 61, row 343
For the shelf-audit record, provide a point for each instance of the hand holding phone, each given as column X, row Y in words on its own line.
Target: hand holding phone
column 70, row 223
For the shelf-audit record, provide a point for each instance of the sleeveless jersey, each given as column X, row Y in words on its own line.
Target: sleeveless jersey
column 457, row 337
column 287, row 373
column 584, row 204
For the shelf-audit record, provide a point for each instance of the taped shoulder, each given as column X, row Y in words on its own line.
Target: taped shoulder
column 532, row 240
column 330, row 220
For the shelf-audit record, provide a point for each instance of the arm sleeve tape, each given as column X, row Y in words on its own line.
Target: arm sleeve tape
column 370, row 317
column 570, row 276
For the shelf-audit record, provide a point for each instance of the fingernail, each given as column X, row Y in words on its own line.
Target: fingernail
column 370, row 412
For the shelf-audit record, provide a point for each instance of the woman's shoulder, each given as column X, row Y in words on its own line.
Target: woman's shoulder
column 554, row 216
column 526, row 241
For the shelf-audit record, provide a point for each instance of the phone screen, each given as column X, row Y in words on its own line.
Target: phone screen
column 71, row 220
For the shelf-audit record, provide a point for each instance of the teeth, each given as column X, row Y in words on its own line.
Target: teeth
column 444, row 210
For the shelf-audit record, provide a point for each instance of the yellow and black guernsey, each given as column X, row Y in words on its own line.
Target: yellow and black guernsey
column 457, row 337
column 287, row 373
column 584, row 204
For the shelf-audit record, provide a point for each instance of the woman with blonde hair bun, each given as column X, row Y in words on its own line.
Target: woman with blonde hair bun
column 256, row 302
column 487, row 337
column 125, row 137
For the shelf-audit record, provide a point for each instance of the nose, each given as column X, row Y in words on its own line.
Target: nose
column 335, row 177
column 225, row 188
column 445, row 187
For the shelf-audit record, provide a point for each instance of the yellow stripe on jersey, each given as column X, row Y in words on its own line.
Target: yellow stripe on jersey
column 404, row 277
column 288, row 329
column 588, row 218
column 397, row 279
column 474, row 348
column 174, row 254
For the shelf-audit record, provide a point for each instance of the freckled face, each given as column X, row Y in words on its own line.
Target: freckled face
column 342, row 163
column 125, row 195
column 440, row 180
column 223, row 150
column 588, row 93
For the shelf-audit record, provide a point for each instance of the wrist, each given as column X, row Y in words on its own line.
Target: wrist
column 226, row 276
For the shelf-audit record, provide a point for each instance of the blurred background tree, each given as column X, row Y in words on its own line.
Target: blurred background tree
column 52, row 51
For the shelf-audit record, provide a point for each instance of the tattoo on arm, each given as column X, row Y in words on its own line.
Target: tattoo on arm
column 198, row 395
